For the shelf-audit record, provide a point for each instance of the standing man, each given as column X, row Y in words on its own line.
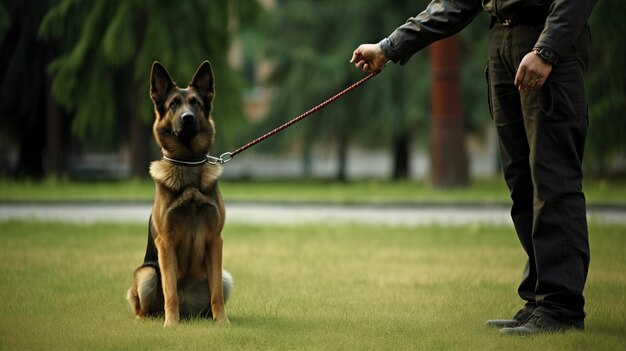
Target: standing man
column 538, row 53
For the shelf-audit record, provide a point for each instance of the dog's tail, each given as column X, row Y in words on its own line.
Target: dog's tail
column 228, row 283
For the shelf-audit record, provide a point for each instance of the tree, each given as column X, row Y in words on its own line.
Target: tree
column 311, row 46
column 448, row 155
column 24, row 86
column 606, row 87
column 103, row 75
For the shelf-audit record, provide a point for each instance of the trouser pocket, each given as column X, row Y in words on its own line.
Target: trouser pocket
column 564, row 99
column 488, row 91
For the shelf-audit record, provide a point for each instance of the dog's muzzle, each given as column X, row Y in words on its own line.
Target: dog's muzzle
column 187, row 125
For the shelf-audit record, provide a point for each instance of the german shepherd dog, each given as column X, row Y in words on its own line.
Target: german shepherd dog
column 181, row 275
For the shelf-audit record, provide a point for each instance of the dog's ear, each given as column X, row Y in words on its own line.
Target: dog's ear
column 203, row 81
column 160, row 83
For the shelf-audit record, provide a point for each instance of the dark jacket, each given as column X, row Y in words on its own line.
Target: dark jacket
column 563, row 20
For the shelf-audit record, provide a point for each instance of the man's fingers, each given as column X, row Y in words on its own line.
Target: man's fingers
column 536, row 83
column 532, row 73
column 355, row 56
column 523, row 79
column 531, row 83
column 363, row 65
column 367, row 57
column 519, row 77
column 526, row 83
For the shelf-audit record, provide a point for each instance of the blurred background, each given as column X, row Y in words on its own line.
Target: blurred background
column 74, row 80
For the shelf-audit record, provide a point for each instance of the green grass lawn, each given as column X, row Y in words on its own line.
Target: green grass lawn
column 62, row 286
column 373, row 191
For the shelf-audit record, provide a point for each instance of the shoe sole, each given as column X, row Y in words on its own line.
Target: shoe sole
column 502, row 323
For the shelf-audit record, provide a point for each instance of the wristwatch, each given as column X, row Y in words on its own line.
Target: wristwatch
column 547, row 55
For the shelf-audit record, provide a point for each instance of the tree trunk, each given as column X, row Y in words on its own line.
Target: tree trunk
column 32, row 131
column 54, row 149
column 448, row 156
column 139, row 145
column 140, row 132
column 342, row 159
column 307, row 157
column 401, row 156
column 54, row 145
column 30, row 161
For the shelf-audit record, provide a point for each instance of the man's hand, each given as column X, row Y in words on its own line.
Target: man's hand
column 532, row 73
column 369, row 58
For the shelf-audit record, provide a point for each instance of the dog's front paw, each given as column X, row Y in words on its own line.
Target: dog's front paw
column 221, row 320
column 169, row 322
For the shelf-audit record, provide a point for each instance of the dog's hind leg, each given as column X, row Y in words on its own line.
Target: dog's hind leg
column 145, row 297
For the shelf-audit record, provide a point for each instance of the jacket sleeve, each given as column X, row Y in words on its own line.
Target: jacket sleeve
column 440, row 19
column 566, row 18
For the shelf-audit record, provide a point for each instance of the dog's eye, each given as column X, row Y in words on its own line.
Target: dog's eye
column 195, row 103
column 174, row 104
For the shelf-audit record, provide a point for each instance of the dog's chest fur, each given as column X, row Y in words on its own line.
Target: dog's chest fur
column 190, row 202
column 178, row 178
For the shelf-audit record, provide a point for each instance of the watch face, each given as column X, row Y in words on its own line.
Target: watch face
column 547, row 54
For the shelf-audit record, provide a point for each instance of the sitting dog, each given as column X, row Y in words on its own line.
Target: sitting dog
column 181, row 275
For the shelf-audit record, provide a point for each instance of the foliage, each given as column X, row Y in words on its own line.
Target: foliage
column 5, row 20
column 21, row 59
column 392, row 109
column 606, row 86
column 106, row 48
column 110, row 46
column 23, row 84
column 311, row 64
column 474, row 84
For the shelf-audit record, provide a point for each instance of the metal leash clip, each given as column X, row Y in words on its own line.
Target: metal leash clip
column 224, row 158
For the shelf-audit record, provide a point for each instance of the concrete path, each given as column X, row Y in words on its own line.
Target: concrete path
column 287, row 214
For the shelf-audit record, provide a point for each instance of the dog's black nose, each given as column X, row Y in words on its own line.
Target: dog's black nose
column 187, row 118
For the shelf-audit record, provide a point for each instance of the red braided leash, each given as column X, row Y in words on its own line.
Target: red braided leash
column 227, row 156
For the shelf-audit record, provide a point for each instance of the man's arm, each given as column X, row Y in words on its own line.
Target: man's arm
column 565, row 20
column 440, row 19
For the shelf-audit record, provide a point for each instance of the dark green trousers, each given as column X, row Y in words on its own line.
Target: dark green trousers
column 541, row 141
